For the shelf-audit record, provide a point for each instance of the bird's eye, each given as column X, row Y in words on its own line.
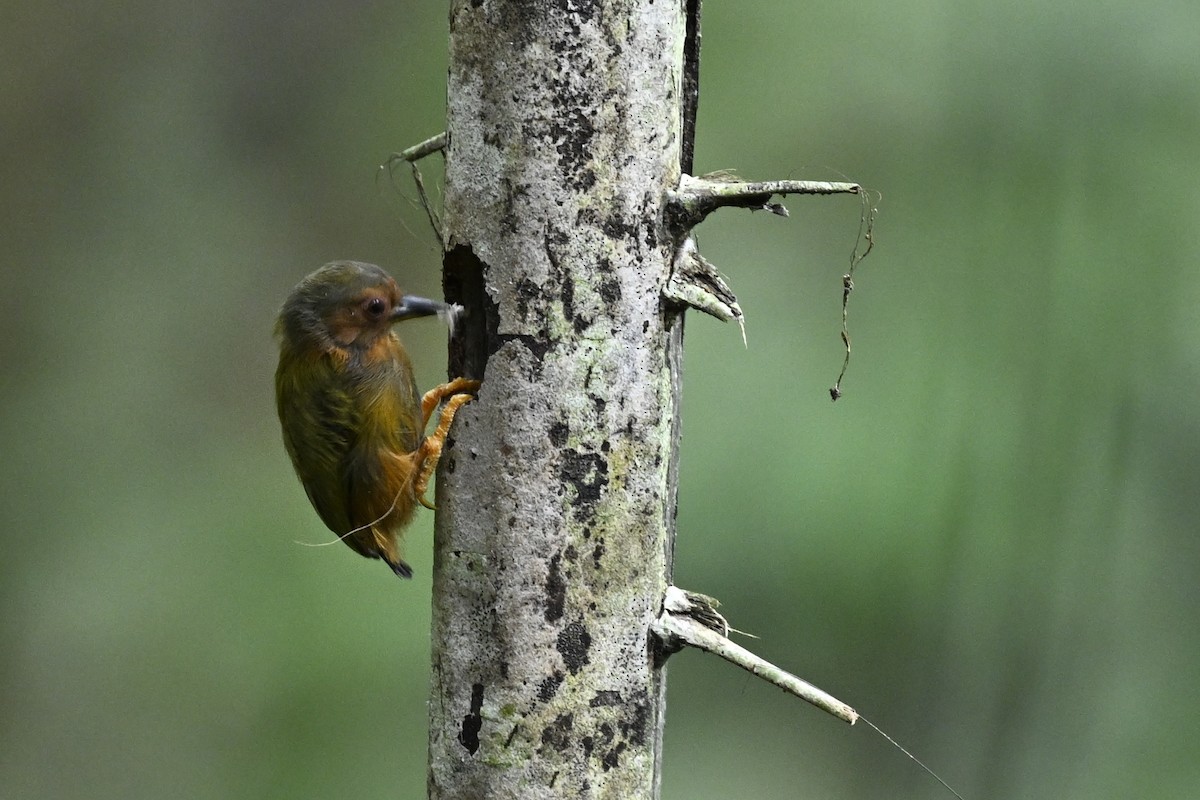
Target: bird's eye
column 375, row 307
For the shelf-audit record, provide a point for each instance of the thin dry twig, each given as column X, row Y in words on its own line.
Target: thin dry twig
column 864, row 242
column 434, row 144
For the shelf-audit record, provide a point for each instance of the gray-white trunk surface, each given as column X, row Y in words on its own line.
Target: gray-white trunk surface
column 556, row 495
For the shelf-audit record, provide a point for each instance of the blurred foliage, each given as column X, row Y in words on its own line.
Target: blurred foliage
column 988, row 546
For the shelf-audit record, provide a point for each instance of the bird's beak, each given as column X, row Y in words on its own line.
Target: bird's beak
column 412, row 307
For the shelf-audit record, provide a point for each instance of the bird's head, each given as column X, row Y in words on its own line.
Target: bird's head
column 348, row 304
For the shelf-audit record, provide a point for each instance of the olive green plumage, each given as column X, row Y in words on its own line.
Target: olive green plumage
column 348, row 405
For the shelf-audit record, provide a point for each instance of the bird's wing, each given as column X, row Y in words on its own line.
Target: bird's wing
column 320, row 420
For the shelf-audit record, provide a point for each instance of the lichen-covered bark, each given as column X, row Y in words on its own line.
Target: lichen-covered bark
column 556, row 495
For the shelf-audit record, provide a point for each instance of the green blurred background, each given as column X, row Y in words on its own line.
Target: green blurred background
column 988, row 546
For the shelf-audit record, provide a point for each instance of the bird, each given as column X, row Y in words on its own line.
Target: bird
column 353, row 424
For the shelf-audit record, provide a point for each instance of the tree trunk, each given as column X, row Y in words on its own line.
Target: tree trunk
column 556, row 496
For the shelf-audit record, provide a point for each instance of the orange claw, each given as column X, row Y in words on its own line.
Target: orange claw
column 430, row 451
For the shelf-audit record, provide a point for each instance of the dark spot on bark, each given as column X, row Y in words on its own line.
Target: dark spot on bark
column 573, row 643
column 610, row 291
column 570, row 553
column 558, row 733
column 598, row 403
column 558, row 236
column 598, row 553
column 634, row 729
column 549, row 686
column 468, row 737
column 558, row 434
column 578, row 322
column 525, row 292
column 605, row 446
column 572, row 132
column 587, row 532
column 651, row 238
column 586, row 217
column 612, row 759
column 617, row 228
column 587, row 473
column 556, row 590
column 518, row 23
column 605, row 698
column 567, row 286
column 606, row 733
column 588, row 743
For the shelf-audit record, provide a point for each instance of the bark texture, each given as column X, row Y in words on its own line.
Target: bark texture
column 556, row 496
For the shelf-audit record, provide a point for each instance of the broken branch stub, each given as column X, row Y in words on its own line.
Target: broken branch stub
column 691, row 619
column 695, row 282
column 697, row 197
